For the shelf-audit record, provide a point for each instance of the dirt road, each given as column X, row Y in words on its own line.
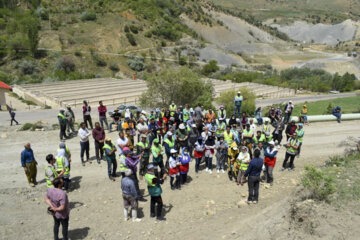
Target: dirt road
column 206, row 208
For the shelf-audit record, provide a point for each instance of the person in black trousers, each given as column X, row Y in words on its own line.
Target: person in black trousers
column 254, row 171
column 12, row 115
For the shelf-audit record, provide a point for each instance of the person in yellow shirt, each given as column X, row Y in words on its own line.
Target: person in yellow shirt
column 304, row 112
column 233, row 152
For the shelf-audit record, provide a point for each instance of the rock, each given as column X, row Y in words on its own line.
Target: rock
column 210, row 213
column 4, row 135
column 293, row 181
column 241, row 204
column 211, row 202
column 267, row 186
column 105, row 202
column 243, row 195
column 233, row 232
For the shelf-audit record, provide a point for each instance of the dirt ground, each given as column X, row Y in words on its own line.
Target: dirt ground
column 209, row 207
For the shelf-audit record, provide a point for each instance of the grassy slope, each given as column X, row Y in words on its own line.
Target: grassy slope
column 349, row 105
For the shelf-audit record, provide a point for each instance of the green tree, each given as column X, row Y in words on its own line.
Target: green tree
column 16, row 44
column 210, row 68
column 183, row 85
column 226, row 98
column 31, row 27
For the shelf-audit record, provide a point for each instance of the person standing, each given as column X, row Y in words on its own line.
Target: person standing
column 174, row 170
column 258, row 116
column 29, row 163
column 291, row 151
column 243, row 161
column 62, row 165
column 143, row 148
column 210, row 116
column 269, row 162
column 12, row 115
column 181, row 137
column 228, row 136
column 193, row 136
column 253, row 173
column 58, row 201
column 130, row 196
column 87, row 114
column 155, row 191
column 198, row 113
column 290, row 129
column 156, row 151
column 102, row 115
column 278, row 133
column 199, row 152
column 184, row 165
column 304, row 112
column 153, row 128
column 209, row 152
column 337, row 113
column 221, row 154
column 50, row 171
column 233, row 153
column 238, row 101
column 172, row 108
column 300, row 135
column 98, row 134
column 186, row 113
column 288, row 111
column 62, row 124
column 84, row 134
column 169, row 143
column 70, row 120
column 110, row 156
column 142, row 128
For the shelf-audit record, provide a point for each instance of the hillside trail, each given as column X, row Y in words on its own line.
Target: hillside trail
column 206, row 208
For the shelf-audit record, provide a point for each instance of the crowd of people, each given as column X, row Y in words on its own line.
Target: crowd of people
column 162, row 144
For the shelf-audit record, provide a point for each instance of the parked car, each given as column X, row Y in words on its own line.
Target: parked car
column 132, row 108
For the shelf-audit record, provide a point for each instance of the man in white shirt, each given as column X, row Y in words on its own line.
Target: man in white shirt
column 84, row 134
column 121, row 142
column 142, row 128
column 252, row 125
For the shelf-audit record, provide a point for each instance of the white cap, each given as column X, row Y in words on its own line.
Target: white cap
column 191, row 110
column 271, row 142
column 239, row 92
column 173, row 151
column 235, row 148
column 181, row 126
column 169, row 133
column 290, row 101
column 61, row 109
column 143, row 112
column 193, row 125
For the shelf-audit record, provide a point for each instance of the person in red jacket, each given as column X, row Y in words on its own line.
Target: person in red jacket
column 269, row 162
column 184, row 164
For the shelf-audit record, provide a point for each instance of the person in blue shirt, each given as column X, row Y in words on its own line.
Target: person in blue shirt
column 253, row 173
column 29, row 163
column 153, row 128
column 337, row 113
column 130, row 196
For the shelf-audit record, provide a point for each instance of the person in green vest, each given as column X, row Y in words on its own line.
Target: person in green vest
column 266, row 126
column 50, row 171
column 229, row 136
column 62, row 123
column 172, row 109
column 238, row 101
column 222, row 114
column 186, row 113
column 291, row 151
column 110, row 156
column 268, row 138
column 243, row 161
column 62, row 145
column 220, row 129
column 155, row 191
column 157, row 152
column 260, row 137
column 62, row 165
column 300, row 135
column 169, row 143
column 143, row 148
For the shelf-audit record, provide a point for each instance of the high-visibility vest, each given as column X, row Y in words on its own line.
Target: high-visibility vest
column 268, row 139
column 244, row 158
column 154, row 189
column 248, row 133
column 61, row 116
column 123, row 167
column 293, row 142
column 238, row 99
column 107, row 146
column 220, row 128
column 144, row 146
column 49, row 183
column 60, row 165
column 156, row 150
column 171, row 144
column 228, row 137
column 220, row 115
column 186, row 115
column 300, row 134
column 266, row 128
column 257, row 140
column 67, row 151
column 172, row 109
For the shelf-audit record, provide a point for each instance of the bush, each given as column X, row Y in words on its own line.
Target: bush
column 182, row 60
column 126, row 29
column 42, row 13
column 4, row 77
column 99, row 61
column 134, row 29
column 210, row 68
column 136, row 63
column 65, row 64
column 26, row 126
column 318, row 183
column 17, row 44
column 114, row 67
column 27, row 67
column 148, row 34
column 88, row 16
column 131, row 39
column 227, row 99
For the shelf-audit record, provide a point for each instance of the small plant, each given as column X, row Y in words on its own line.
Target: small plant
column 319, row 184
column 26, row 126
column 329, row 109
column 182, row 60
column 47, row 107
column 114, row 67
column 136, row 63
column 27, row 67
column 88, row 16
column 134, row 29
column 65, row 64
column 126, row 29
column 131, row 39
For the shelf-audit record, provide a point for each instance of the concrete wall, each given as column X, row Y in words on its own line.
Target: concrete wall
column 2, row 96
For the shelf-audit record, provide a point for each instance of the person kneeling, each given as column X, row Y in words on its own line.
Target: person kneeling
column 130, row 196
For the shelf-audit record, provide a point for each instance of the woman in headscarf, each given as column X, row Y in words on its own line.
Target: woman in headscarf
column 199, row 152
column 184, row 164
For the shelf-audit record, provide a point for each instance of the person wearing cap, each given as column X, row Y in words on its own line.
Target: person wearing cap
column 143, row 147
column 62, row 165
column 232, row 154
column 29, row 163
column 300, row 135
column 102, row 115
column 228, row 135
column 116, row 119
column 122, row 160
column 172, row 108
column 266, row 127
column 128, row 113
column 222, row 114
column 62, row 123
column 199, row 152
column 98, row 134
column 253, row 172
column 128, row 124
column 155, row 191
column 269, row 162
column 238, row 102
column 242, row 161
column 290, row 129
column 110, row 156
column 288, row 110
column 304, row 112
column 63, row 145
column 157, row 152
column 337, row 113
column 193, row 136
column 87, row 114
column 184, row 164
column 130, row 196
column 169, row 144
column 152, row 114
column 221, row 153
column 291, row 151
column 210, row 115
column 174, row 172
column 258, row 116
column 84, row 134
column 143, row 115
column 70, row 120
column 50, row 171
column 131, row 162
column 181, row 137
column 268, row 138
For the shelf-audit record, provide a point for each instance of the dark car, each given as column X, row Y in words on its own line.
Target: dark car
column 132, row 108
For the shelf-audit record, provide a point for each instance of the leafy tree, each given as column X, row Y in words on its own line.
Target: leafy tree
column 210, row 68
column 226, row 98
column 31, row 27
column 182, row 60
column 136, row 63
column 16, row 44
column 88, row 16
column 65, row 64
column 131, row 39
column 183, row 85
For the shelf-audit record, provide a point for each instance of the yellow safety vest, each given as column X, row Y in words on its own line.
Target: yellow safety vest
column 172, row 109
column 49, row 183
column 62, row 116
column 293, row 142
column 170, row 143
column 228, row 137
column 244, row 165
column 60, row 165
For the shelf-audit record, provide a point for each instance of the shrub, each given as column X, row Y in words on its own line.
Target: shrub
column 16, row 45
column 65, row 64
column 26, row 126
column 134, row 29
column 329, row 109
column 4, row 77
column 210, row 68
column 318, row 183
column 126, row 29
column 99, row 61
column 114, row 67
column 182, row 60
column 88, row 16
column 136, row 63
column 148, row 34
column 131, row 39
column 27, row 67
column 42, row 13
column 227, row 99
